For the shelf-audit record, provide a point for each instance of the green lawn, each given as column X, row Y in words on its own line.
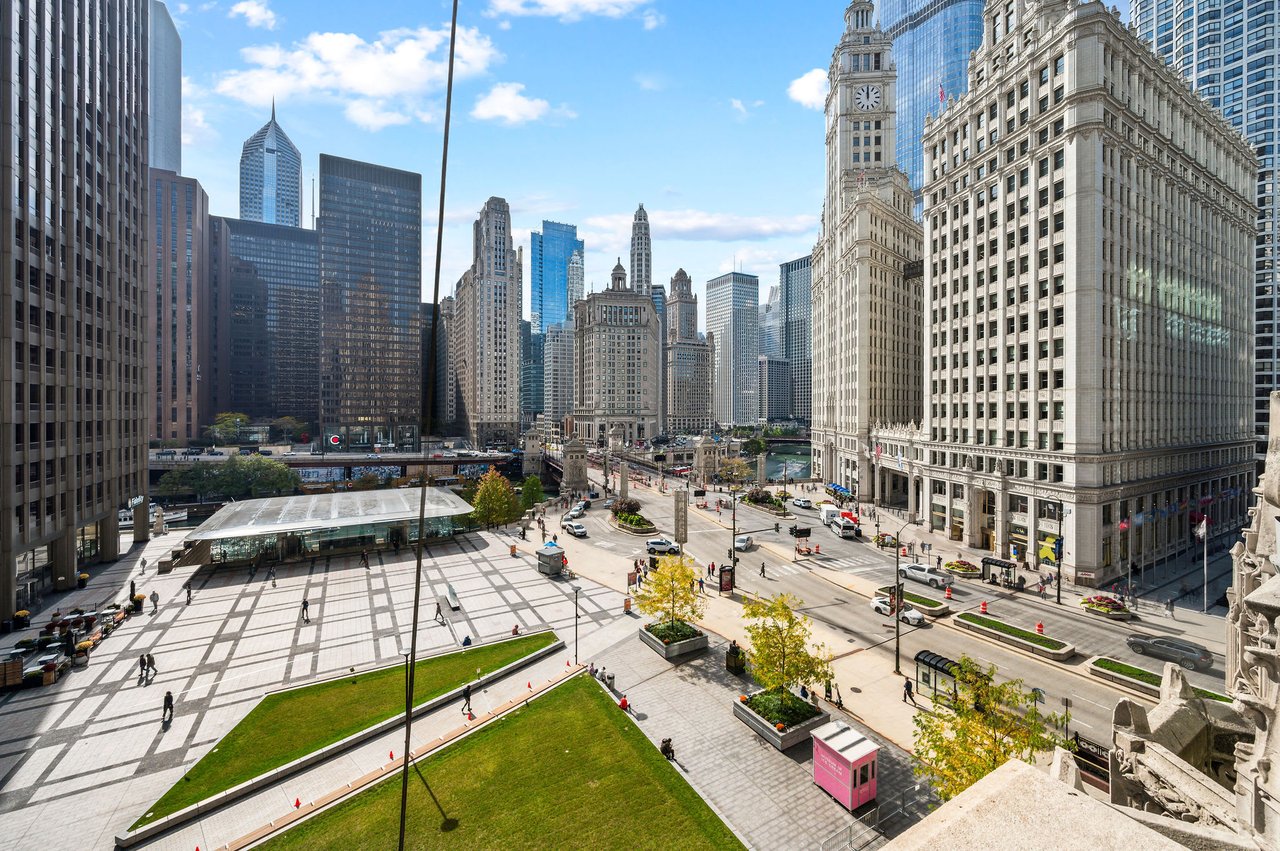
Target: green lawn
column 569, row 771
column 292, row 724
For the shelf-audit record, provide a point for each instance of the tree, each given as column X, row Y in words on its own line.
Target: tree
column 734, row 470
column 754, row 446
column 780, row 657
column 625, row 505
column 668, row 592
column 495, row 501
column 288, row 427
column 983, row 726
column 226, row 427
column 531, row 492
column 253, row 476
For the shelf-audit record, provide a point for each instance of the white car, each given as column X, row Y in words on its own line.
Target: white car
column 908, row 615
column 289, row 454
column 926, row 573
column 742, row 543
column 573, row 513
column 661, row 545
column 802, row 502
column 577, row 530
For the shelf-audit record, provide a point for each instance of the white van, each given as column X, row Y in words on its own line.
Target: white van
column 845, row 528
column 827, row 513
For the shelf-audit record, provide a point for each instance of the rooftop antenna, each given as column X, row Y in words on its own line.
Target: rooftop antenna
column 313, row 202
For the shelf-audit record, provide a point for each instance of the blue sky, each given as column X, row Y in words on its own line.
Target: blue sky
column 572, row 110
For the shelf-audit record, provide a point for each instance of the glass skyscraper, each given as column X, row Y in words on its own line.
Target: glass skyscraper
column 932, row 40
column 271, row 177
column 795, row 279
column 549, row 273
column 1229, row 53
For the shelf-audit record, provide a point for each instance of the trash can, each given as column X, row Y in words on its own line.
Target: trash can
column 6, row 627
column 608, row 680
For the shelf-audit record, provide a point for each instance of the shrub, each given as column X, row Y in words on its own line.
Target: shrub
column 626, row 505
column 962, row 566
column 758, row 496
column 25, row 644
column 782, row 709
column 633, row 520
column 1151, row 678
column 1014, row 631
column 922, row 602
column 672, row 632
column 22, row 613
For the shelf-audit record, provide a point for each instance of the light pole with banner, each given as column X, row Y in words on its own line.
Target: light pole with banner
column 897, row 596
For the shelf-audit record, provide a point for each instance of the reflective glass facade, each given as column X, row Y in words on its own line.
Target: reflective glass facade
column 795, row 280
column 271, row 177
column 549, row 254
column 1229, row 52
column 370, row 236
column 932, row 40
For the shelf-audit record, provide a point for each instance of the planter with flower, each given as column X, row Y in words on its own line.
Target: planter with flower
column 669, row 597
column 962, row 568
column 781, row 661
column 1107, row 607
column 22, row 618
column 81, row 658
column 138, row 600
column 885, row 539
column 82, row 580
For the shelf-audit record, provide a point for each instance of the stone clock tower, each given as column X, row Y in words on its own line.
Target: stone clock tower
column 867, row 343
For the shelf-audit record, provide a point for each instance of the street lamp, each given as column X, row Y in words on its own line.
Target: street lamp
column 577, row 614
column 897, row 595
column 406, row 652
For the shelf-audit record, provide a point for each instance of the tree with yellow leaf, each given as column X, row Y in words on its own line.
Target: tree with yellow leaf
column 669, row 594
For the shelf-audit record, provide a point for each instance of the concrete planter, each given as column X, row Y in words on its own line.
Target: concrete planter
column 677, row 648
column 1123, row 615
column 1120, row 679
column 632, row 530
column 1060, row 655
column 937, row 610
column 787, row 738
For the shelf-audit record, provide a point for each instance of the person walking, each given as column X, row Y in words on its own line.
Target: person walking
column 142, row 666
column 306, row 617
column 155, row 601
column 907, row 692
column 701, row 585
column 188, row 587
column 151, row 664
column 271, row 574
column 133, row 589
column 364, row 559
column 762, row 570
column 466, row 698
column 167, row 715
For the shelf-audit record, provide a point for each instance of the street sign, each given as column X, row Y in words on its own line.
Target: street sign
column 682, row 517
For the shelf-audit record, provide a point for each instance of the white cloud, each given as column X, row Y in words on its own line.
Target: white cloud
column 379, row 83
column 196, row 128
column 650, row 82
column 505, row 103
column 565, row 10
column 810, row 89
column 744, row 109
column 653, row 19
column 256, row 13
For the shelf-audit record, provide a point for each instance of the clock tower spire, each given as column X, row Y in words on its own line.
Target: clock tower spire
column 861, row 106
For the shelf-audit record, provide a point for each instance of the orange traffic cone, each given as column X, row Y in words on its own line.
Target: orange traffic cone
column 297, row 802
column 948, row 594
column 1040, row 628
column 984, row 607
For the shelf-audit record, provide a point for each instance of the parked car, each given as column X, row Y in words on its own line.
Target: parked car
column 193, row 450
column 216, row 452
column 577, row 530
column 608, row 503
column 908, row 615
column 742, row 543
column 802, row 502
column 661, row 545
column 573, row 513
column 167, row 453
column 934, row 577
column 1188, row 654
column 245, row 450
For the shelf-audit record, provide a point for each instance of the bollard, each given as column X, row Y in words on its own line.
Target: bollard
column 984, row 607
column 1040, row 628
column 948, row 594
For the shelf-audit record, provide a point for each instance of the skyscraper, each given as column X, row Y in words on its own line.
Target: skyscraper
column 771, row 325
column 557, row 373
column 1203, row 42
column 164, row 90
column 795, row 280
column 485, row 334
column 370, row 237
column 75, row 381
column 531, row 378
column 550, row 253
column 931, row 43
column 641, row 252
column 733, row 305
column 240, row 347
column 866, row 317
column 180, row 224
column 688, row 362
column 575, row 280
column 615, row 364
column 271, row 177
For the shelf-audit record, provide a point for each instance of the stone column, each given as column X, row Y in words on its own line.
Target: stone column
column 760, row 469
column 62, row 554
column 109, row 537
column 913, row 499
column 623, row 476
column 141, row 523
column 1002, row 520
column 865, row 473
column 972, row 528
column 8, row 566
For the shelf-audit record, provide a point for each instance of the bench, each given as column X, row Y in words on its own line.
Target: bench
column 451, row 598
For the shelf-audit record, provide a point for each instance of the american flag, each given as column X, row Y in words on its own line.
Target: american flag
column 942, row 95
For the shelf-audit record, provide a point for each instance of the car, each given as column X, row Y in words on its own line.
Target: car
column 193, row 450
column 1188, row 654
column 216, row 452
column 661, row 545
column 908, row 615
column 265, row 452
column 573, row 513
column 593, row 494
column 608, row 503
column 934, row 577
column 167, row 453
column 315, row 450
column 577, row 530
column 584, row 504
column 289, row 454
column 802, row 502
column 742, row 543
column 245, row 450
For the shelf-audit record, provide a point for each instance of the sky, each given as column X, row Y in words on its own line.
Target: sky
column 709, row 112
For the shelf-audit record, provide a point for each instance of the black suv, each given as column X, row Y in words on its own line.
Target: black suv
column 1186, row 653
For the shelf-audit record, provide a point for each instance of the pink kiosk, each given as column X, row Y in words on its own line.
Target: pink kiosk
column 844, row 764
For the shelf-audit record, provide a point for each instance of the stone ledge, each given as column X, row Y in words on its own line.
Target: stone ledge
column 789, row 737
column 1061, row 655
column 679, row 648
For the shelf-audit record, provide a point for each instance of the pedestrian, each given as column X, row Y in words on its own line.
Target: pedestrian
column 167, row 715
column 364, row 559
column 701, row 586
column 155, row 601
column 151, row 664
column 939, row 562
column 142, row 666
column 439, row 614
column 133, row 589
column 826, row 689
column 306, row 618
column 907, row 693
column 188, row 587
column 624, row 704
column 466, row 698
column 762, row 569
column 144, row 567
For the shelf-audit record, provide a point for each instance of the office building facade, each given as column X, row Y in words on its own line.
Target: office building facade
column 557, row 374
column 271, row 177
column 641, row 252
column 615, row 365
column 370, row 251
column 485, row 335
column 164, row 90
column 532, row 344
column 550, row 254
column 75, row 311
column 771, row 325
column 774, row 378
column 687, row 362
column 1229, row 53
column 795, row 280
column 733, row 305
column 180, row 221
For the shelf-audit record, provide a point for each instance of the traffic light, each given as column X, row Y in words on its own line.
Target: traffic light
column 792, row 531
column 1057, row 549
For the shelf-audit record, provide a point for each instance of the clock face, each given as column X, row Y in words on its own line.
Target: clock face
column 867, row 97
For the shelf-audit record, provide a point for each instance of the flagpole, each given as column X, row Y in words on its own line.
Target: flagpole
column 1205, row 608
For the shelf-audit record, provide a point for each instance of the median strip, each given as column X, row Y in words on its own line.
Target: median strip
column 1140, row 679
column 1014, row 636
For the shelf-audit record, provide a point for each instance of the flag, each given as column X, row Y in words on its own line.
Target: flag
column 879, row 449
column 1203, row 529
column 942, row 96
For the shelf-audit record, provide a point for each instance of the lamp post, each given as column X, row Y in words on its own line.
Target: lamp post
column 897, row 597
column 577, row 613
column 406, row 652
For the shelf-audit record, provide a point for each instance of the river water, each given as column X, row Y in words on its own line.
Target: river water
column 796, row 456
